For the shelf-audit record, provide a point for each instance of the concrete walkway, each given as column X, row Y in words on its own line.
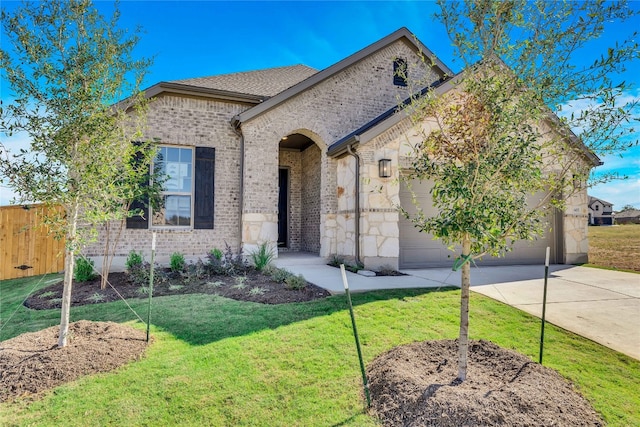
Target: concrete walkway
column 601, row 305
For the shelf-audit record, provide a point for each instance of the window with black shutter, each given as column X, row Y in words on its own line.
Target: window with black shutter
column 400, row 72
column 188, row 190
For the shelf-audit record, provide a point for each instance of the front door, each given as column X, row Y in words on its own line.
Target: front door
column 283, row 208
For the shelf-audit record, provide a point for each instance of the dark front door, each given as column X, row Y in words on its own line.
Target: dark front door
column 283, row 208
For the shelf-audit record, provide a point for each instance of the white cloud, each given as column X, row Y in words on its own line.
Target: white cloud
column 620, row 192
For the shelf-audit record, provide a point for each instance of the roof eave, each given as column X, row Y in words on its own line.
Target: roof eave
column 183, row 89
column 393, row 117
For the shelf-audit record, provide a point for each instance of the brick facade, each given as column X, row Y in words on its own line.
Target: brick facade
column 190, row 121
column 321, row 203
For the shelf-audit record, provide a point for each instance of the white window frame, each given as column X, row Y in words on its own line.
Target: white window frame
column 165, row 193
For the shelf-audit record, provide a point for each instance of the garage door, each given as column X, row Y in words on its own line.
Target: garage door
column 420, row 250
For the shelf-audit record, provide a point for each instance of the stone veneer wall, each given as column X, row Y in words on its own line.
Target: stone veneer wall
column 325, row 113
column 379, row 231
column 379, row 198
column 190, row 121
column 575, row 224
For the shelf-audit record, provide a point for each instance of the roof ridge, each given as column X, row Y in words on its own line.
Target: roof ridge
column 235, row 73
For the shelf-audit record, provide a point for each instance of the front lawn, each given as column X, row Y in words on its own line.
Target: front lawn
column 216, row 361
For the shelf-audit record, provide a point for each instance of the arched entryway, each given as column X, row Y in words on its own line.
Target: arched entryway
column 299, row 200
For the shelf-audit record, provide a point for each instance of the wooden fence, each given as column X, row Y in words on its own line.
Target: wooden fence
column 26, row 248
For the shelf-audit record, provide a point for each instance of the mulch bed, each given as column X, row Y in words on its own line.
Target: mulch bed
column 32, row 363
column 415, row 385
column 270, row 292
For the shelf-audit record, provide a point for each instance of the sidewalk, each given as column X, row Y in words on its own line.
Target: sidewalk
column 601, row 305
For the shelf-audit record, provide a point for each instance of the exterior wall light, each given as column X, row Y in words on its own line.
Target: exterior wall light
column 384, row 168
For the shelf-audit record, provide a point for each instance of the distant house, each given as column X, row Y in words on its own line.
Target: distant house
column 600, row 212
column 630, row 216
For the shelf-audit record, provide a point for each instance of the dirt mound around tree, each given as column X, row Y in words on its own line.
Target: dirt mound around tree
column 415, row 385
column 31, row 363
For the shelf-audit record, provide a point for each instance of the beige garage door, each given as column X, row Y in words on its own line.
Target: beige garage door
column 420, row 250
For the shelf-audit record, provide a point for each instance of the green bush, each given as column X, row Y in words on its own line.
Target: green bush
column 83, row 271
column 177, row 262
column 134, row 259
column 225, row 263
column 216, row 254
column 279, row 275
column 262, row 257
column 295, row 282
column 139, row 274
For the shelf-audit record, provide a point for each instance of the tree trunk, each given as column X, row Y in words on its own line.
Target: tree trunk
column 463, row 340
column 69, row 264
column 105, row 257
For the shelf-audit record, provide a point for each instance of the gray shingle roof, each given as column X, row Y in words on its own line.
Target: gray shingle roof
column 631, row 213
column 265, row 83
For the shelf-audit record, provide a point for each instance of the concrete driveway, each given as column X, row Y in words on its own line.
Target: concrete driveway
column 601, row 305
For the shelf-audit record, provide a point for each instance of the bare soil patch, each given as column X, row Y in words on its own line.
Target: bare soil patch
column 32, row 363
column 415, row 385
column 253, row 286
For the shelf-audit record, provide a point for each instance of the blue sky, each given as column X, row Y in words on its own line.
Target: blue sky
column 194, row 39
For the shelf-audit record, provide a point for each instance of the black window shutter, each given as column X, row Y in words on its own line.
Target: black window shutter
column 204, row 179
column 139, row 221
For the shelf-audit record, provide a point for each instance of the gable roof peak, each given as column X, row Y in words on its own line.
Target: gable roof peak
column 400, row 33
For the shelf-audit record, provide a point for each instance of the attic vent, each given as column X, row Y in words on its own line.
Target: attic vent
column 400, row 72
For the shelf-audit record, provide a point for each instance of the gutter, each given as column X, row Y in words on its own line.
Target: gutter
column 235, row 125
column 357, row 204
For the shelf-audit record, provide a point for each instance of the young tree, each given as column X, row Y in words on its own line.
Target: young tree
column 498, row 157
column 66, row 66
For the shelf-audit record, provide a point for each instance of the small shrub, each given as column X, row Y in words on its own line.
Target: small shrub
column 55, row 301
column 143, row 290
column 262, row 257
column 225, row 263
column 295, row 282
column 46, row 294
column 175, row 287
column 83, row 271
column 194, row 272
column 96, row 297
column 279, row 275
column 257, row 291
column 336, row 260
column 139, row 274
column 241, row 282
column 177, row 263
column 234, row 263
column 134, row 259
column 215, row 284
column 216, row 254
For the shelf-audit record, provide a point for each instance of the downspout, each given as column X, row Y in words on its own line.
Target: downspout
column 357, row 207
column 235, row 125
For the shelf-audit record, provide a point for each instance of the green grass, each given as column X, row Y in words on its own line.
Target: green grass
column 216, row 361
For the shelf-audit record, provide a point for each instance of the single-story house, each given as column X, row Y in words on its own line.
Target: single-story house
column 600, row 212
column 308, row 160
column 629, row 216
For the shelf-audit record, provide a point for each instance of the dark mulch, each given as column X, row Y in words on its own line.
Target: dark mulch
column 32, row 363
column 415, row 385
column 265, row 290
